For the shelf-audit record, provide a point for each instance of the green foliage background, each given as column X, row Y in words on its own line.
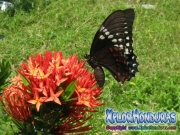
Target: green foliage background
column 70, row 26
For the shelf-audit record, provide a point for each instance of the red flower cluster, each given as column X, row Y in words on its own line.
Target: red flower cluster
column 47, row 79
column 16, row 105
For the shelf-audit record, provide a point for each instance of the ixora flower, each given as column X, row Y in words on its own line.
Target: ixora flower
column 52, row 94
column 16, row 105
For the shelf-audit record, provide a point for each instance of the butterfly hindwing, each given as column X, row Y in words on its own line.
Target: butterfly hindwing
column 112, row 47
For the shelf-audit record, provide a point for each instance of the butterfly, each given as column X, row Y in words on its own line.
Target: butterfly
column 112, row 48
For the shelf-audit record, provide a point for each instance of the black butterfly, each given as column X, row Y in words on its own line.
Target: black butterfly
column 112, row 48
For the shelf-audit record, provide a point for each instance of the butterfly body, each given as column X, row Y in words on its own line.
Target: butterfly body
column 98, row 71
column 112, row 48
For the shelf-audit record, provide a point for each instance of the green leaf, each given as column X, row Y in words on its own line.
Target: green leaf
column 71, row 99
column 28, row 91
column 39, row 119
column 5, row 68
column 69, row 91
column 25, row 80
column 18, row 124
column 132, row 83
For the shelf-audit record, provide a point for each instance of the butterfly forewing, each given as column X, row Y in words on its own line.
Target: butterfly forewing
column 113, row 28
column 112, row 46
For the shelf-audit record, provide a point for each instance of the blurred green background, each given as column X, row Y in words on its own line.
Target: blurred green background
column 69, row 26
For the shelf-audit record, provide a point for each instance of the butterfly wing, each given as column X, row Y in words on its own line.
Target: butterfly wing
column 112, row 46
column 114, row 26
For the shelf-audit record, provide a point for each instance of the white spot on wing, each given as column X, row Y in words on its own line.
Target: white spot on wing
column 101, row 37
column 134, row 65
column 104, row 30
column 127, row 44
column 110, row 36
column 120, row 39
column 116, row 45
column 126, row 51
column 121, row 46
column 101, row 28
column 126, row 32
column 107, row 33
column 114, row 40
column 127, row 37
